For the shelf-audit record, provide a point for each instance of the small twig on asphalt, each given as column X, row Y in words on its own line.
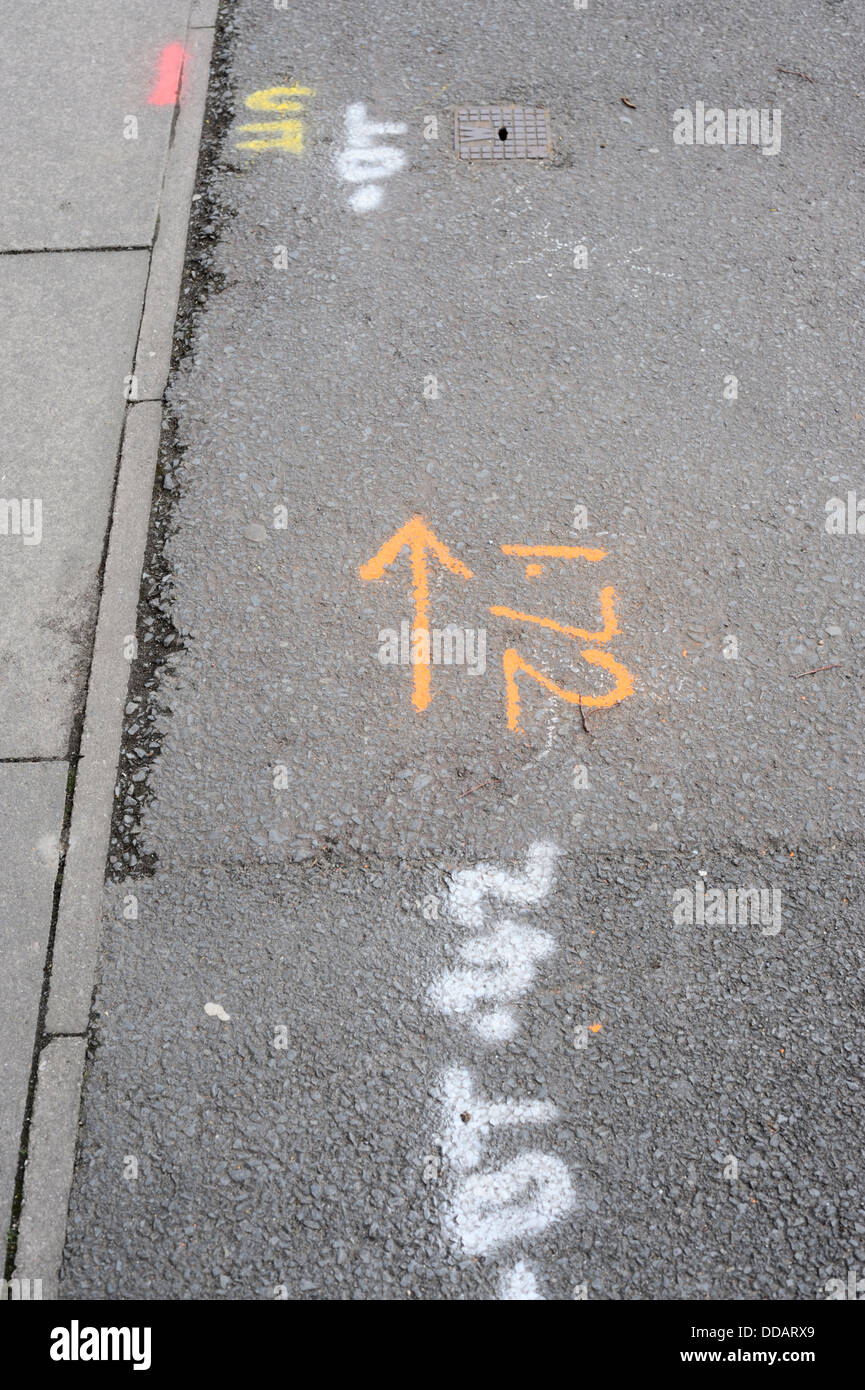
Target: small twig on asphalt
column 791, row 72
column 478, row 787
column 798, row 674
column 583, row 717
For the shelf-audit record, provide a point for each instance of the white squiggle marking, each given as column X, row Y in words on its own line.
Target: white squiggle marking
column 551, row 704
column 366, row 198
column 519, row 1200
column 519, row 1285
column 363, row 162
column 360, row 165
column 360, row 131
column 470, row 886
column 496, row 1026
column 463, row 1137
column 514, row 948
column 523, row 1197
column 465, row 899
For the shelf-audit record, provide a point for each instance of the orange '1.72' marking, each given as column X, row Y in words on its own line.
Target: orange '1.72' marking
column 557, row 552
column 421, row 543
column 513, row 663
column 419, row 539
column 610, row 629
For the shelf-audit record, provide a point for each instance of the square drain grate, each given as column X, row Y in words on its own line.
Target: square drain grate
column 502, row 132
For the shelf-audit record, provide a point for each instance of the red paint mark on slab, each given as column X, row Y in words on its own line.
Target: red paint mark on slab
column 171, row 63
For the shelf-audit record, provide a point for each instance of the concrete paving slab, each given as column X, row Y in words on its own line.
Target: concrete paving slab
column 71, row 324
column 204, row 13
column 50, row 1161
column 77, row 937
column 153, row 357
column 32, row 797
column 83, row 144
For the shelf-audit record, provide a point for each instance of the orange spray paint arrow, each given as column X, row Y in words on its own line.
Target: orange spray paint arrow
column 419, row 539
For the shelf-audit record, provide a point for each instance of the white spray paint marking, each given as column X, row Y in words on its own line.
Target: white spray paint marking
column 217, row 1011
column 551, row 729
column 469, row 1118
column 362, row 162
column 519, row 1285
column 470, row 886
column 367, row 198
column 496, row 1026
column 513, row 948
column 487, row 1210
column 521, row 1199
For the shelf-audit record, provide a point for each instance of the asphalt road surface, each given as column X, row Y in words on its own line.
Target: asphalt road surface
column 608, row 394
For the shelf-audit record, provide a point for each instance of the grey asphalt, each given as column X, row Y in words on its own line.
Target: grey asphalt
column 294, row 898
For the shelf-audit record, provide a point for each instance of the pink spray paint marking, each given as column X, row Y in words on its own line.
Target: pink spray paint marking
column 171, row 63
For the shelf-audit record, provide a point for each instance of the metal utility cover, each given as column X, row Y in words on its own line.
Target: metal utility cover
column 501, row 132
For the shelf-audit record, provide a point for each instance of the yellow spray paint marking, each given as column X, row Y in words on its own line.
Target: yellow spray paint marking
column 418, row 538
column 274, row 98
column 610, row 629
column 284, row 135
column 279, row 135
